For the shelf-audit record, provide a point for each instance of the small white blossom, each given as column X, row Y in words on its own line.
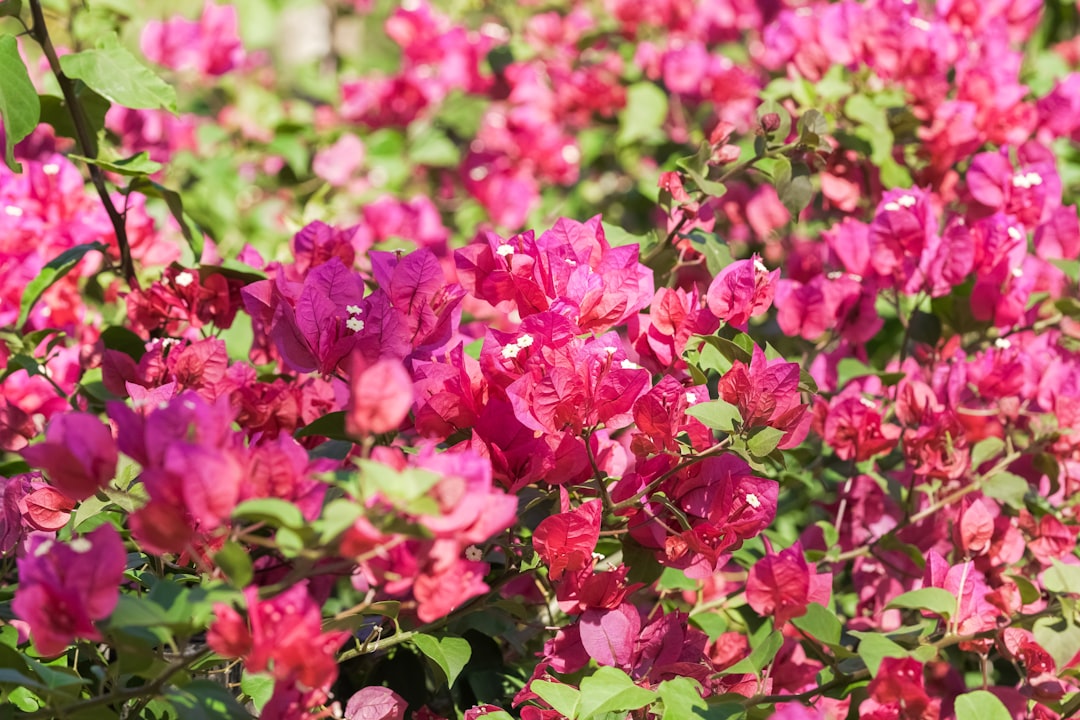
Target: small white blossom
column 890, row 206
column 525, row 341
column 510, row 351
column 835, row 275
column 43, row 548
column 907, row 201
column 81, row 545
column 13, row 211
column 353, row 309
column 504, row 250
column 1014, row 233
column 1002, row 344
column 571, row 154
column 1017, row 272
column 610, row 349
column 691, row 397
column 184, row 279
column 474, row 554
column 920, row 24
column 478, row 173
column 1027, row 181
column 354, row 324
column 752, row 501
column 50, row 169
column 760, row 266
column 571, row 262
column 867, row 403
column 628, row 365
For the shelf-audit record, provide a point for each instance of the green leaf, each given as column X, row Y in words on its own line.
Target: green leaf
column 19, row 105
column 450, row 653
column 820, row 623
column 135, row 611
column 133, row 166
column 771, row 106
column 792, row 181
column 563, row 698
column 644, row 114
column 716, row 414
column 235, row 562
column 258, row 687
column 712, row 624
column 53, row 271
column 116, row 75
column 1028, row 592
column 55, row 112
column 337, row 517
column 205, row 700
column 1059, row 638
column 697, row 167
column 1006, row 487
column 986, row 449
column 610, row 690
column 175, row 204
column 764, row 650
column 981, row 705
column 273, row 511
column 850, row 368
column 117, row 337
column 431, row 147
column 331, row 425
column 1062, row 578
column 763, row 441
column 682, row 699
column 10, row 8
column 936, row 600
column 874, row 647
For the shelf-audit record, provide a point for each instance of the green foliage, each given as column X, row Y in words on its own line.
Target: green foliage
column 19, row 105
column 114, row 73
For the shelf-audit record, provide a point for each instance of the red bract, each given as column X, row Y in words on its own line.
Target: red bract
column 767, row 394
column 898, row 691
column 65, row 587
column 78, row 455
column 375, row 703
column 283, row 635
column 783, row 584
column 379, row 397
column 565, row 541
column 742, row 290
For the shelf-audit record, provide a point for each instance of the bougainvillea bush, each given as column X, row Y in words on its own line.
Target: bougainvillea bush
column 595, row 360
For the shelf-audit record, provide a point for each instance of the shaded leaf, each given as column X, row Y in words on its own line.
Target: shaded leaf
column 19, row 105
column 53, row 271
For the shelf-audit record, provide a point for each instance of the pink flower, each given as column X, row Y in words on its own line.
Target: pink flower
column 65, row 587
column 283, row 634
column 742, row 290
column 210, row 45
column 79, row 455
column 379, row 397
column 783, row 585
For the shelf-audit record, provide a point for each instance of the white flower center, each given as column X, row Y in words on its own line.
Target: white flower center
column 504, row 250
column 13, row 211
column 184, row 279
column 628, row 365
column 1017, row 272
column 81, row 545
column 752, row 501
column 571, row 154
column 43, row 548
column 691, row 397
column 50, row 169
column 1014, row 233
column 867, row 403
column 907, row 201
column 354, row 324
column 891, row 206
column 525, row 341
column 474, row 554
column 354, row 309
column 510, row 351
column 1002, row 344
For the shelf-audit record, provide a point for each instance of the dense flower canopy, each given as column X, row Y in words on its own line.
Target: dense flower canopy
column 587, row 360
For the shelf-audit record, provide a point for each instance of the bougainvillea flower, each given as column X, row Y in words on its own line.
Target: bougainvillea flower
column 742, row 290
column 283, row 635
column 379, row 397
column 79, row 454
column 65, row 587
column 767, row 394
column 783, row 585
column 565, row 541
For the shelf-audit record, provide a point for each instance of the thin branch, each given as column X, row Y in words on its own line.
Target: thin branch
column 84, row 138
